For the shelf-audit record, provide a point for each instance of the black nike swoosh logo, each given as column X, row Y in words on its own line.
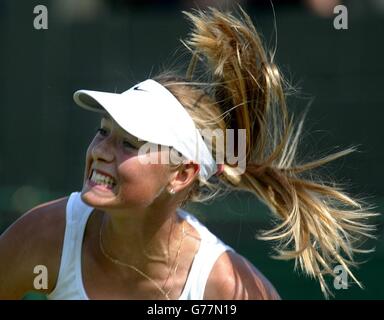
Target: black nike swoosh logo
column 137, row 88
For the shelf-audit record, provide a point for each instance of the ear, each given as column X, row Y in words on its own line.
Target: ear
column 184, row 176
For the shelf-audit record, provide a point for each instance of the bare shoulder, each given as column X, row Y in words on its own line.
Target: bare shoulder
column 35, row 238
column 233, row 277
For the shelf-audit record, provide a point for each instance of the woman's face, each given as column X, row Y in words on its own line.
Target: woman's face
column 114, row 176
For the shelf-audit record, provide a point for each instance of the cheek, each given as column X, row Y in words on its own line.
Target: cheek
column 140, row 182
column 94, row 141
column 88, row 154
column 88, row 160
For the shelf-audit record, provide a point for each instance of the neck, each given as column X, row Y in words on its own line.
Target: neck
column 142, row 239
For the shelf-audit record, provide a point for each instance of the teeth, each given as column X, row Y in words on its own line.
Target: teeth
column 99, row 178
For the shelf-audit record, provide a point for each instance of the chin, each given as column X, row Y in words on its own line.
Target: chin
column 96, row 198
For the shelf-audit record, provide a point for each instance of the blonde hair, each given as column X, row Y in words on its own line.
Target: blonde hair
column 319, row 224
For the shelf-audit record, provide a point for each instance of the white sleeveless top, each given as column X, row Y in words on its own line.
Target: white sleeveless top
column 69, row 284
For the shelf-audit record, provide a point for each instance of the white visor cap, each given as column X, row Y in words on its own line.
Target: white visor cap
column 152, row 113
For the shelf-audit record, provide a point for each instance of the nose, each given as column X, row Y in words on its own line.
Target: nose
column 103, row 150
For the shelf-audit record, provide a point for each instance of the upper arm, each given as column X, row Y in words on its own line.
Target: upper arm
column 234, row 278
column 34, row 239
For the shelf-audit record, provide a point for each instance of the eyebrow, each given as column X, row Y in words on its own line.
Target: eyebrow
column 134, row 139
column 130, row 137
column 106, row 116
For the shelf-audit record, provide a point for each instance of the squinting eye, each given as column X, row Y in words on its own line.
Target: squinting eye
column 102, row 132
column 128, row 145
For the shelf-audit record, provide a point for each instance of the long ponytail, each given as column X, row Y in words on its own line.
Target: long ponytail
column 319, row 225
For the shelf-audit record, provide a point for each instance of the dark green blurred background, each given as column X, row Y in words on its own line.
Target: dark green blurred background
column 110, row 45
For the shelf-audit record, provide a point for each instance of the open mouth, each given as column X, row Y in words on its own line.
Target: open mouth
column 100, row 179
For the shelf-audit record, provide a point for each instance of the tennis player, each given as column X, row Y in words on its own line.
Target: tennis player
column 127, row 234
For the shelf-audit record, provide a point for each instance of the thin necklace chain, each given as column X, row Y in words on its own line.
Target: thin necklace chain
column 118, row 262
column 176, row 261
